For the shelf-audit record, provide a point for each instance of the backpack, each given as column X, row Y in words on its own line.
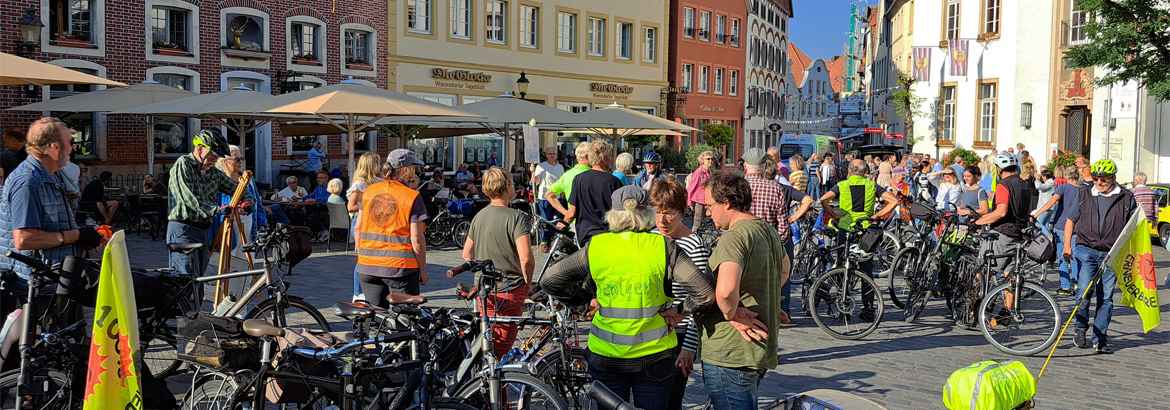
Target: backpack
column 989, row 385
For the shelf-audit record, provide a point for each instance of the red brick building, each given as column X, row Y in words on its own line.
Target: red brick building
column 203, row 46
column 707, row 57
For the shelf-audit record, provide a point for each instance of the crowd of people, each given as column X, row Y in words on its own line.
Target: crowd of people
column 660, row 298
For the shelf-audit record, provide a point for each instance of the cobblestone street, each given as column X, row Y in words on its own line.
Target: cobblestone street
column 901, row 366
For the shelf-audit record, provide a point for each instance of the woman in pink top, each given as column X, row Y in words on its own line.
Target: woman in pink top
column 695, row 182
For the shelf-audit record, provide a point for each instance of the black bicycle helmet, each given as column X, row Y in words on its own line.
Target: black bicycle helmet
column 214, row 141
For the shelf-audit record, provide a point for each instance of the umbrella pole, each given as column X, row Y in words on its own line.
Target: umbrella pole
column 352, row 132
column 150, row 144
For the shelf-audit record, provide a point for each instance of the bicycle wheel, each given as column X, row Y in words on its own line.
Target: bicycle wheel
column 459, row 232
column 58, row 394
column 517, row 391
column 1035, row 272
column 921, row 282
column 883, row 259
column 160, row 341
column 1026, row 330
column 298, row 314
column 905, row 264
column 801, row 264
column 846, row 304
column 212, row 392
column 435, row 234
column 569, row 379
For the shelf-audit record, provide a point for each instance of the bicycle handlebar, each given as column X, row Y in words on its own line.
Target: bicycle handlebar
column 605, row 398
column 39, row 267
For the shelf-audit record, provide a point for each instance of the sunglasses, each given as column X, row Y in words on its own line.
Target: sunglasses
column 1104, row 178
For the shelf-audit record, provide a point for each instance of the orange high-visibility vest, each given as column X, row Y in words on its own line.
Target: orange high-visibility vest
column 384, row 239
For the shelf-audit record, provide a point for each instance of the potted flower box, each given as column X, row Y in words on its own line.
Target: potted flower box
column 72, row 40
column 355, row 64
column 943, row 44
column 988, row 36
column 169, row 49
column 305, row 59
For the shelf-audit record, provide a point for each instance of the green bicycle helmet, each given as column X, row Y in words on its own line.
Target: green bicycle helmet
column 1103, row 168
column 213, row 140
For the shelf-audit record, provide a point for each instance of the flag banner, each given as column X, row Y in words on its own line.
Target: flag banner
column 531, row 144
column 113, row 381
column 958, row 50
column 1132, row 261
column 921, row 64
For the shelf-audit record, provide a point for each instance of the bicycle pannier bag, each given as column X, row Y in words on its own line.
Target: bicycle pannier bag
column 460, row 207
column 989, row 385
column 870, row 239
column 1041, row 249
column 920, row 211
column 299, row 245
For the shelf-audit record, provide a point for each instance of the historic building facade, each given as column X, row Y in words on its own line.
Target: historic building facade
column 767, row 69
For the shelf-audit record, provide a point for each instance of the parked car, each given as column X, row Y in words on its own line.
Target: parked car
column 1162, row 230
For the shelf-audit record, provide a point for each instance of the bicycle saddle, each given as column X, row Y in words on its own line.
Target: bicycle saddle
column 260, row 328
column 989, row 235
column 184, row 247
column 350, row 310
column 404, row 299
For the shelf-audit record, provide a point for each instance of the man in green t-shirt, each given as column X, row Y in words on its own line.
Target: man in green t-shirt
column 739, row 345
column 565, row 184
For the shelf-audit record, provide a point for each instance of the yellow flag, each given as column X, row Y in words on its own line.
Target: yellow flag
column 113, row 381
column 1133, row 262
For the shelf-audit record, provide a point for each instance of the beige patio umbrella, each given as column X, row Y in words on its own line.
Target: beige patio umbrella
column 204, row 106
column 350, row 107
column 115, row 99
column 624, row 121
column 21, row 71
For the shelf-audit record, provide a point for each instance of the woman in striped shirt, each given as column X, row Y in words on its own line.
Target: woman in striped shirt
column 814, row 176
column 670, row 198
column 798, row 177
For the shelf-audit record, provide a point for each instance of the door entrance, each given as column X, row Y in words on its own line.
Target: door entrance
column 1076, row 130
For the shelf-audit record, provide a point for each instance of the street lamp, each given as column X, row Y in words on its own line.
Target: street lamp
column 522, row 85
column 284, row 81
column 748, row 112
column 30, row 32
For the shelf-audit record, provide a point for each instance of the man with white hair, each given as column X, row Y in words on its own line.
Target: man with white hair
column 1145, row 197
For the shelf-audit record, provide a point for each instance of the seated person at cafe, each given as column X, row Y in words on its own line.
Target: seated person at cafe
column 320, row 193
column 152, row 186
column 464, row 177
column 94, row 198
column 317, row 216
column 292, row 192
column 341, row 172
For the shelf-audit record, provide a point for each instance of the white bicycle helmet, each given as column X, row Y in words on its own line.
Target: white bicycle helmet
column 1004, row 160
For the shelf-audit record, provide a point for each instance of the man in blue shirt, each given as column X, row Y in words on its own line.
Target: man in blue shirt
column 318, row 215
column 315, row 156
column 36, row 219
column 1066, row 196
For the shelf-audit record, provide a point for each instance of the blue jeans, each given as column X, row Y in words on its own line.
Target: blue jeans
column 1088, row 260
column 814, row 187
column 547, row 212
column 730, row 389
column 1044, row 220
column 786, row 290
column 278, row 214
column 1066, row 268
column 357, row 287
column 650, row 388
column 196, row 263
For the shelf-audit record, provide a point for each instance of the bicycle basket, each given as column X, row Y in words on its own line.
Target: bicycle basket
column 1041, row 249
column 920, row 211
column 460, row 207
column 216, row 342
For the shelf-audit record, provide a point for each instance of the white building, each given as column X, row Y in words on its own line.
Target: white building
column 766, row 69
column 809, row 110
column 1007, row 44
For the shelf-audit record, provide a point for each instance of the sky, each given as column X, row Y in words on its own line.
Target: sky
column 820, row 27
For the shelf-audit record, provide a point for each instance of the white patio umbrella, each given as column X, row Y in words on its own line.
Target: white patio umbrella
column 20, row 71
column 621, row 122
column 350, row 107
column 204, row 106
column 115, row 99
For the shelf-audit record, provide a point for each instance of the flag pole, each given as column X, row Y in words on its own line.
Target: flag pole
column 1084, row 300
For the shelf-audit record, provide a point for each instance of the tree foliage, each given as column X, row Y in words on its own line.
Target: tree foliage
column 907, row 105
column 641, row 140
column 695, row 150
column 719, row 135
column 1130, row 39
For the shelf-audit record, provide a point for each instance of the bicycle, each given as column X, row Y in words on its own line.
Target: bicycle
column 843, row 315
column 452, row 223
column 1017, row 316
column 160, row 338
column 563, row 245
column 500, row 385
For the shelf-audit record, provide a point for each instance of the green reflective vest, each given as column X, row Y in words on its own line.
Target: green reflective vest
column 858, row 197
column 629, row 269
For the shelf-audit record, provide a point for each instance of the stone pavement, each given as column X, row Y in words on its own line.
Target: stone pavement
column 901, row 366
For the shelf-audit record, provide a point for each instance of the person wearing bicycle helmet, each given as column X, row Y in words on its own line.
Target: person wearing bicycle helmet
column 1106, row 207
column 651, row 171
column 194, row 191
column 1009, row 216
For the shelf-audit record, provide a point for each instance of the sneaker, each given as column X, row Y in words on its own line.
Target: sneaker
column 1079, row 339
column 1002, row 319
column 1102, row 347
column 1064, row 292
column 90, row 222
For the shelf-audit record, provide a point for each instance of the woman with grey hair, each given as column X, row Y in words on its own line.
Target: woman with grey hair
column 695, row 195
column 623, row 167
column 631, row 347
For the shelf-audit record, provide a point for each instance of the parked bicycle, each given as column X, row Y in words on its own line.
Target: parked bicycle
column 845, row 302
column 453, row 222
